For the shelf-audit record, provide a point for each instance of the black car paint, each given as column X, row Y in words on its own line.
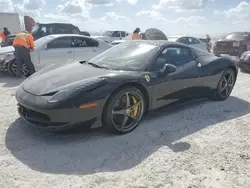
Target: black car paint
column 244, row 62
column 160, row 89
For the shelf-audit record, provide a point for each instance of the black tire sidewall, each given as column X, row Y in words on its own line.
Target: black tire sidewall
column 12, row 73
column 107, row 112
column 218, row 93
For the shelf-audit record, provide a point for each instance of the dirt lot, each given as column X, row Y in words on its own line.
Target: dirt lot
column 199, row 144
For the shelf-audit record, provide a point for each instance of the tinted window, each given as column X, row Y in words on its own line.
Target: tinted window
column 63, row 30
column 64, row 42
column 84, row 42
column 183, row 40
column 193, row 40
column 123, row 34
column 116, row 34
column 173, row 55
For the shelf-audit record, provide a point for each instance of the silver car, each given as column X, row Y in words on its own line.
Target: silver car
column 61, row 48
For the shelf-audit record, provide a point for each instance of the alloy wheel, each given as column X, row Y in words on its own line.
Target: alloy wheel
column 25, row 70
column 127, row 111
column 226, row 84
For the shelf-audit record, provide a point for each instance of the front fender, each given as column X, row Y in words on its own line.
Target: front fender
column 9, row 58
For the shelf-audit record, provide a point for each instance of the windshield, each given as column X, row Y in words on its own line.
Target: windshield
column 107, row 33
column 239, row 35
column 127, row 56
column 173, row 39
column 41, row 41
column 35, row 28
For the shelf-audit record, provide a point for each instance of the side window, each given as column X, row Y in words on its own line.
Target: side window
column 183, row 40
column 122, row 33
column 116, row 34
column 177, row 56
column 62, row 30
column 193, row 41
column 64, row 42
column 84, row 42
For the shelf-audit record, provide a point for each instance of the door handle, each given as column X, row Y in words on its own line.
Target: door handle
column 70, row 52
column 94, row 50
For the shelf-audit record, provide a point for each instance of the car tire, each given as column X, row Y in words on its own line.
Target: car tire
column 11, row 69
column 225, row 85
column 119, row 110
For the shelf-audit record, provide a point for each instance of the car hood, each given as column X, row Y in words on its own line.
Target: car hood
column 100, row 37
column 6, row 49
column 229, row 40
column 52, row 79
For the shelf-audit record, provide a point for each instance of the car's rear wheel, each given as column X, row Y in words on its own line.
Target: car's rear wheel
column 225, row 85
column 12, row 67
column 124, row 110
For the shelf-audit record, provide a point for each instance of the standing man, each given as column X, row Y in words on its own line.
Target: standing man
column 136, row 35
column 4, row 34
column 23, row 44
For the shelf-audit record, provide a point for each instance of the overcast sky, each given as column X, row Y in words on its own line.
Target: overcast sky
column 194, row 17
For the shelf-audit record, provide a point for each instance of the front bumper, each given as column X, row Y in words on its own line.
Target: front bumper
column 3, row 65
column 232, row 51
column 33, row 110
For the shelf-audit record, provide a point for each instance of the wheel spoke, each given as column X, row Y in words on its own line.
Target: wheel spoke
column 119, row 112
column 227, row 91
column 124, row 121
column 133, row 117
column 229, row 78
column 136, row 105
column 128, row 100
column 222, row 89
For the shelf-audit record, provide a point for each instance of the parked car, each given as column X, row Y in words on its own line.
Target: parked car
column 234, row 44
column 192, row 41
column 51, row 49
column 43, row 29
column 109, row 36
column 244, row 62
column 116, row 88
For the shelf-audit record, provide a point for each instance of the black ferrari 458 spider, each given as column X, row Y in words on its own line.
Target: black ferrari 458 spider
column 117, row 87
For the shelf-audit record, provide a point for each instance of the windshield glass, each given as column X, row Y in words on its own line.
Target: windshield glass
column 107, row 33
column 127, row 56
column 35, row 28
column 41, row 41
column 239, row 35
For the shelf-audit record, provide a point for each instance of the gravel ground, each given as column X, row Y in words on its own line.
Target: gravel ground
column 197, row 144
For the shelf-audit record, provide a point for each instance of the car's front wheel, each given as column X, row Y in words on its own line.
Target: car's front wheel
column 124, row 110
column 12, row 67
column 225, row 85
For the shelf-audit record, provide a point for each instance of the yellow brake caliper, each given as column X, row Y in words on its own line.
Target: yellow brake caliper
column 135, row 112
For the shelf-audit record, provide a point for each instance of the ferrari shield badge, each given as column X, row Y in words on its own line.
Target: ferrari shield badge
column 147, row 78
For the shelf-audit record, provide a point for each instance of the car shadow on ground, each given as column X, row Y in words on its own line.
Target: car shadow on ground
column 96, row 151
column 9, row 81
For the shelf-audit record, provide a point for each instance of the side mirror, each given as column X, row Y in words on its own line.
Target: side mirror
column 168, row 68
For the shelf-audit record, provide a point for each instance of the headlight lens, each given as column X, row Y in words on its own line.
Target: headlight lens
column 236, row 44
column 3, row 57
column 61, row 95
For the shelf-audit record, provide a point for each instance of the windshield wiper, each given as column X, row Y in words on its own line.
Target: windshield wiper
column 97, row 66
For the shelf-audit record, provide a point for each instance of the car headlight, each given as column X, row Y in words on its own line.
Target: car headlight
column 3, row 57
column 62, row 95
column 236, row 44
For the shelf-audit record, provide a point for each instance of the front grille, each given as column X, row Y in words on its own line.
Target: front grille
column 37, row 118
column 33, row 116
column 224, row 45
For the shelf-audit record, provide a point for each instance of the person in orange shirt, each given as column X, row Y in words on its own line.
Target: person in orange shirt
column 4, row 34
column 23, row 44
column 136, row 35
